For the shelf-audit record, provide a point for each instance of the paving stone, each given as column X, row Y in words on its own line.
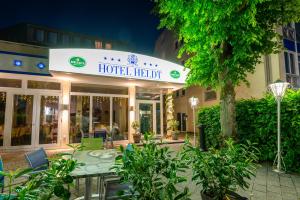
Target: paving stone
column 289, row 197
column 274, row 189
column 258, row 195
column 273, row 196
column 288, row 190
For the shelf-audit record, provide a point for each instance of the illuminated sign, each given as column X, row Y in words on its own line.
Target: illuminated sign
column 115, row 64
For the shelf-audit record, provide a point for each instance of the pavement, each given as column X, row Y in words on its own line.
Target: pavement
column 267, row 185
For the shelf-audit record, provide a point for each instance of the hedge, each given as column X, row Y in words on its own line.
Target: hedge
column 257, row 122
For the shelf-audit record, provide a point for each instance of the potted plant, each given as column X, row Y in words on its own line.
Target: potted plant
column 136, row 135
column 152, row 171
column 173, row 127
column 222, row 171
column 12, row 176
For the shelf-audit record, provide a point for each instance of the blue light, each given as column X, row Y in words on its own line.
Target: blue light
column 41, row 65
column 18, row 63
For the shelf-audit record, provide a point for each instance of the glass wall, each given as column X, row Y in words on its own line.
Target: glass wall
column 101, row 113
column 146, row 117
column 120, row 118
column 48, row 119
column 22, row 120
column 2, row 115
column 79, row 117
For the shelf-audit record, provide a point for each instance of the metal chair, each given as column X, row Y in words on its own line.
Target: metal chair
column 114, row 189
column 92, row 143
column 37, row 160
column 1, row 177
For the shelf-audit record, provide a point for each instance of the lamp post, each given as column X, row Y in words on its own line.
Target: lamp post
column 194, row 103
column 278, row 89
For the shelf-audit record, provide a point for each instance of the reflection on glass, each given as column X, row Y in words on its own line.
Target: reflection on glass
column 22, row 120
column 101, row 114
column 48, row 119
column 157, row 118
column 2, row 115
column 146, row 117
column 79, row 117
column 120, row 118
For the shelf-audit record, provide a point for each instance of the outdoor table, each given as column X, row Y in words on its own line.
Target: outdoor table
column 96, row 163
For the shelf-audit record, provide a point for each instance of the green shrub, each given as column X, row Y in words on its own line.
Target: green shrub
column 257, row 122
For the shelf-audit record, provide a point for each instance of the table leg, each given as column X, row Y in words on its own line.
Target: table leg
column 88, row 188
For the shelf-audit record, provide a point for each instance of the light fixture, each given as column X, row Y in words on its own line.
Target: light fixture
column 194, row 101
column 41, row 65
column 278, row 89
column 18, row 63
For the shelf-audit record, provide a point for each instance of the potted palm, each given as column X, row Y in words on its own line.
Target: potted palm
column 136, row 135
column 173, row 127
column 222, row 171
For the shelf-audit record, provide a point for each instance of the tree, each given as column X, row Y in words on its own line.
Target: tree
column 224, row 40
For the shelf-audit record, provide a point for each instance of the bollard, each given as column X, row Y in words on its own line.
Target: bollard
column 202, row 137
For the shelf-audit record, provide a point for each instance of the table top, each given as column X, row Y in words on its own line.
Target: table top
column 96, row 162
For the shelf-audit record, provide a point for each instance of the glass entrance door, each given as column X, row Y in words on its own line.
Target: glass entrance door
column 22, row 120
column 148, row 116
column 34, row 120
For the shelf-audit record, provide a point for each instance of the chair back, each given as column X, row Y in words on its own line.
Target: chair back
column 37, row 160
column 1, row 176
column 101, row 134
column 91, row 143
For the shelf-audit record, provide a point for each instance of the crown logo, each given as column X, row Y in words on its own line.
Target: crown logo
column 132, row 59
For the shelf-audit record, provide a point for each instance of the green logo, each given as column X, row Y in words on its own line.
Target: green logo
column 77, row 61
column 175, row 74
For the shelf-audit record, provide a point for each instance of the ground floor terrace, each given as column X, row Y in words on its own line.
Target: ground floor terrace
column 267, row 185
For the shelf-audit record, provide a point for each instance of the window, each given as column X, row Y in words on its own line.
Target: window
column 98, row 44
column 2, row 115
column 76, row 41
column 87, row 43
column 183, row 92
column 120, row 118
column 65, row 39
column 52, row 38
column 210, row 94
column 14, row 83
column 101, row 113
column 268, row 70
column 177, row 93
column 79, row 118
column 39, row 35
column 43, row 85
column 289, row 61
column 108, row 46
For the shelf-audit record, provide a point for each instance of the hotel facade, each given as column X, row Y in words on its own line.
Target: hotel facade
column 51, row 95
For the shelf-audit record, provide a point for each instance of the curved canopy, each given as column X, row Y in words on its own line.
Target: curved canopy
column 120, row 64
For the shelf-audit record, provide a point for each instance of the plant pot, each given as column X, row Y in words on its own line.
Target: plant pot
column 175, row 135
column 230, row 195
column 137, row 138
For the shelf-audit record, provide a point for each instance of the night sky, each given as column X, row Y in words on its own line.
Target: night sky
column 126, row 20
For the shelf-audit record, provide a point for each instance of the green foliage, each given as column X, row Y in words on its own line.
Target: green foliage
column 152, row 171
column 222, row 171
column 257, row 122
column 224, row 40
column 44, row 185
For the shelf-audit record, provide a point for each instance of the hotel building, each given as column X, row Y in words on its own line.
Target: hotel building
column 57, row 87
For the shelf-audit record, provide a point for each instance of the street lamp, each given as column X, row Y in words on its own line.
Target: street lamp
column 194, row 101
column 278, row 89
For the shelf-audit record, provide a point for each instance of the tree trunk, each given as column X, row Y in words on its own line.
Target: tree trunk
column 227, row 110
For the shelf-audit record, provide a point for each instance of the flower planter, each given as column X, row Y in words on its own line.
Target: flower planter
column 137, row 138
column 175, row 135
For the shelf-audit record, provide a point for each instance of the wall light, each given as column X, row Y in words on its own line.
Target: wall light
column 65, row 106
column 131, row 108
column 18, row 63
